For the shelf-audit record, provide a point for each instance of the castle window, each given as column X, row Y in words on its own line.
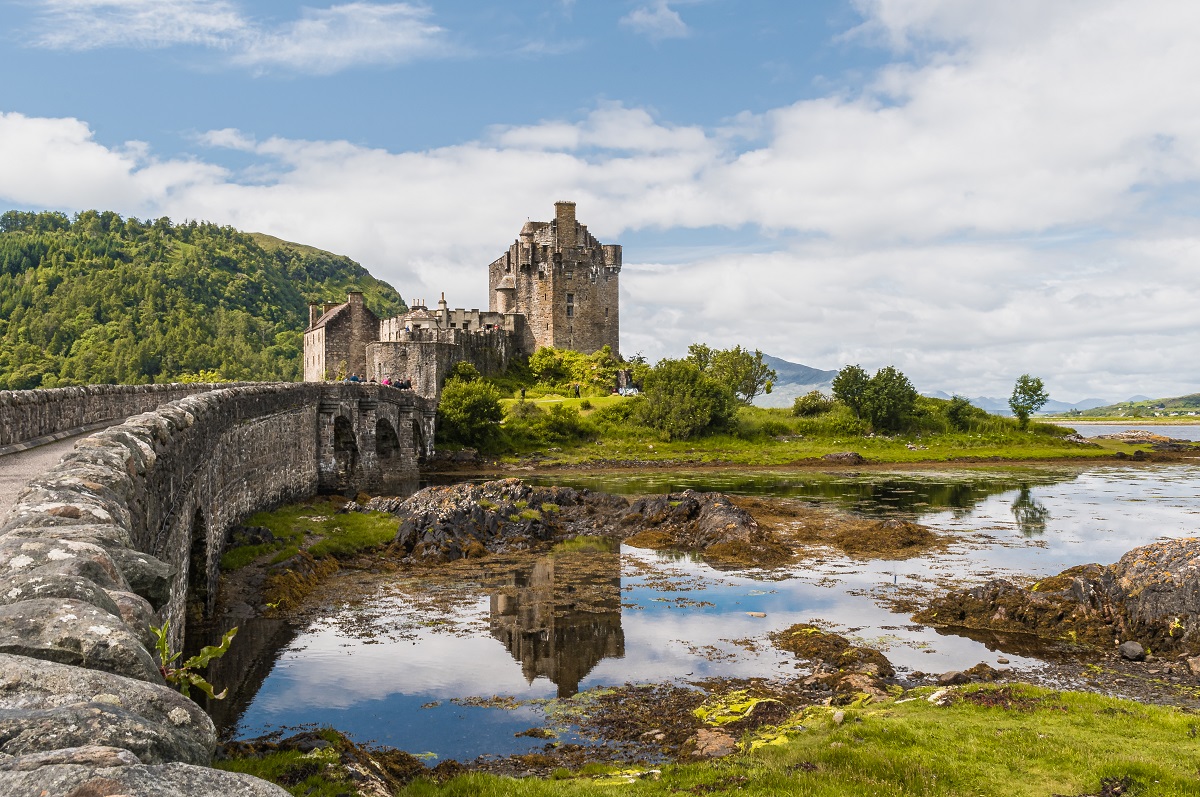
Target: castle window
column 452, row 325
column 606, row 312
column 570, row 305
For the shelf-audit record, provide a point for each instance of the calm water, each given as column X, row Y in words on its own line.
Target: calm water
column 1177, row 431
column 400, row 671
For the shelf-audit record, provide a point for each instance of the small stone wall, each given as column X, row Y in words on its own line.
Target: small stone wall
column 29, row 414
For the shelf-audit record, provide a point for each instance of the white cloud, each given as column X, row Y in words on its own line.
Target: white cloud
column 328, row 40
column 1008, row 204
column 91, row 24
column 321, row 41
column 656, row 21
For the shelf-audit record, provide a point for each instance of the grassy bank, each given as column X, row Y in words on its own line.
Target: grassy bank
column 572, row 431
column 976, row 740
column 315, row 526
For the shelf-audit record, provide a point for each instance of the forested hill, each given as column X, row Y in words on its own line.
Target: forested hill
column 102, row 299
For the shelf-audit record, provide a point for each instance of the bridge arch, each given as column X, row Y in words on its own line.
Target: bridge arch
column 345, row 453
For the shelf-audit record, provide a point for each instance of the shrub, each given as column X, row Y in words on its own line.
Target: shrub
column 683, row 402
column 812, row 403
column 469, row 414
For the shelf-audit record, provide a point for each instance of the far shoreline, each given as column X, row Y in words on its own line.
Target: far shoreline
column 1191, row 420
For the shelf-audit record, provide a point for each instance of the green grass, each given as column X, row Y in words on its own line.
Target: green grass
column 1061, row 743
column 317, row 526
column 771, row 437
column 546, row 402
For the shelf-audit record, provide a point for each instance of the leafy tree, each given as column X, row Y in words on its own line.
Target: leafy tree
column 959, row 411
column 741, row 371
column 850, row 388
column 683, row 402
column 701, row 355
column 744, row 373
column 469, row 413
column 1028, row 396
column 464, row 371
column 889, row 400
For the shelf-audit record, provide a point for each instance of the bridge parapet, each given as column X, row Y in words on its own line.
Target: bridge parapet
column 128, row 530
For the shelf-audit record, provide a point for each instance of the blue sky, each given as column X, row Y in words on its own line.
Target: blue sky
column 967, row 191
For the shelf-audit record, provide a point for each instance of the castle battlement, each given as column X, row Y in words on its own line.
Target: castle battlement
column 556, row 285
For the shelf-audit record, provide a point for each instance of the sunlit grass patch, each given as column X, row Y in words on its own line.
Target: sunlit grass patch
column 316, row 525
column 1009, row 741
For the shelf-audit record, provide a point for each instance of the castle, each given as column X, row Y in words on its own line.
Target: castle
column 556, row 285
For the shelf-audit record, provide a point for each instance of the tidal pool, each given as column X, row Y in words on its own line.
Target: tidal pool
column 457, row 666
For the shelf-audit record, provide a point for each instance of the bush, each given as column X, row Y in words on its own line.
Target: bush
column 959, row 412
column 812, row 403
column 469, row 414
column 529, row 426
column 682, row 402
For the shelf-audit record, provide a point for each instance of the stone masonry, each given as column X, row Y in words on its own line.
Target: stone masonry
column 127, row 532
column 555, row 286
column 563, row 281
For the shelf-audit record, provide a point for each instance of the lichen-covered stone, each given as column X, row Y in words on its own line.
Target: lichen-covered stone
column 138, row 614
column 93, row 755
column 50, row 556
column 77, row 633
column 31, row 685
column 46, row 729
column 159, row 780
column 32, row 586
column 147, row 575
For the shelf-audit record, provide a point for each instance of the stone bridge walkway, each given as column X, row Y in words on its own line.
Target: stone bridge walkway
column 17, row 468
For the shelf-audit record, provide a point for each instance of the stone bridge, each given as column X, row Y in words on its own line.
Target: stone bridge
column 127, row 531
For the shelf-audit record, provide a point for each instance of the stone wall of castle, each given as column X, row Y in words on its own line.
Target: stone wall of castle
column 336, row 344
column 426, row 356
column 565, row 283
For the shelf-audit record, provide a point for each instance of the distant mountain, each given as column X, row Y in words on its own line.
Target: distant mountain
column 999, row 406
column 793, row 379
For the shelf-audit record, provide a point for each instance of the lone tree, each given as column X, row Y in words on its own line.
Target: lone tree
column 741, row 370
column 890, row 400
column 1028, row 396
column 850, row 388
column 682, row 401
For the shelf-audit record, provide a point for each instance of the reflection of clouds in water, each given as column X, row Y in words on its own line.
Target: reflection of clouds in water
column 334, row 672
column 1096, row 516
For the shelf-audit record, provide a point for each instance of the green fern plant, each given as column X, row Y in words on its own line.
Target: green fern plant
column 185, row 676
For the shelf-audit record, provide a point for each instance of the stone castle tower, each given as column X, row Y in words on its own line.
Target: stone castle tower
column 563, row 281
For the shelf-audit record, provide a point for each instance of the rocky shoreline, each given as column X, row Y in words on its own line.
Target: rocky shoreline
column 1083, row 611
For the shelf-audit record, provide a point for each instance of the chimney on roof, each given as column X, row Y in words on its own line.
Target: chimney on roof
column 314, row 314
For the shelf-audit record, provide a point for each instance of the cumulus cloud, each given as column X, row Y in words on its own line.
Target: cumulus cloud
column 1004, row 205
column 656, row 21
column 321, row 41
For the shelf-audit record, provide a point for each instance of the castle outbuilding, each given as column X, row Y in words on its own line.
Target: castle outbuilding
column 555, row 286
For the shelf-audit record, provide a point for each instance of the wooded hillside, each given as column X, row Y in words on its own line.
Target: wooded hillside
column 102, row 299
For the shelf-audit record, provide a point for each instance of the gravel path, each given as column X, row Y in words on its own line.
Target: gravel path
column 18, row 468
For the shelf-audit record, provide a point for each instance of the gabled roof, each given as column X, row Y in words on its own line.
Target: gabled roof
column 330, row 315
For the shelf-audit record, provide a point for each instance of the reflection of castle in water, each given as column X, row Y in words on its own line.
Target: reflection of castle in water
column 560, row 617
